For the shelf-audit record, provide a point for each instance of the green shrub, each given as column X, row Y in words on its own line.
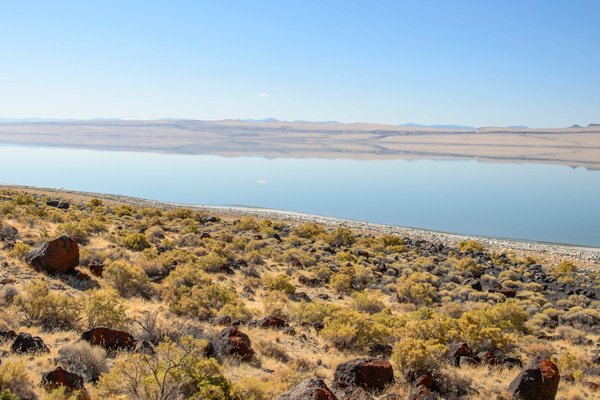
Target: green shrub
column 180, row 213
column 247, row 224
column 175, row 371
column 470, row 245
column 212, row 262
column 128, row 280
column 104, row 308
column 369, row 302
column 350, row 329
column 280, row 283
column 341, row 236
column 308, row 231
column 189, row 292
column 136, row 242
column 19, row 250
column 391, row 240
column 314, row 311
column 15, row 381
column 413, row 356
column 123, row 210
column 566, row 267
column 49, row 310
column 95, row 202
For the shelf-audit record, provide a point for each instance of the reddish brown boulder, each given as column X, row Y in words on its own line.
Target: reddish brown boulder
column 96, row 268
column 61, row 377
column 310, row 389
column 456, row 351
column 422, row 389
column 57, row 255
column 7, row 335
column 537, row 381
column 271, row 322
column 367, row 373
column 232, row 342
column 487, row 357
column 110, row 339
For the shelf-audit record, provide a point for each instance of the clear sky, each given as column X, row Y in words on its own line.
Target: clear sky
column 481, row 63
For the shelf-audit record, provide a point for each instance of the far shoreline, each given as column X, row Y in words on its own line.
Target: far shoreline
column 553, row 252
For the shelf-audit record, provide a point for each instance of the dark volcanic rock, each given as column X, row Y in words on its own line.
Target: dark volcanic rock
column 144, row 347
column 269, row 322
column 537, row 381
column 456, row 351
column 9, row 233
column 310, row 389
column 25, row 343
column 7, row 335
column 232, row 342
column 422, row 389
column 96, row 268
column 61, row 377
column 110, row 339
column 57, row 255
column 367, row 373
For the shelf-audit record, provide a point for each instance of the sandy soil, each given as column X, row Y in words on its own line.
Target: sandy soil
column 587, row 256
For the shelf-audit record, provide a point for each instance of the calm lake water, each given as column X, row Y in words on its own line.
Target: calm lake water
column 523, row 201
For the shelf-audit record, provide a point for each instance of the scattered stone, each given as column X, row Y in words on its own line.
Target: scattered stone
column 367, row 373
column 232, row 342
column 269, row 322
column 110, row 339
column 537, row 381
column 61, row 377
column 25, row 343
column 310, row 389
column 456, row 351
column 96, row 268
column 474, row 284
column 423, row 389
column 487, row 357
column 61, row 205
column 5, row 336
column 57, row 255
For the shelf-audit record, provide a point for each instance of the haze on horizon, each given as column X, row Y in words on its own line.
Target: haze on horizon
column 432, row 62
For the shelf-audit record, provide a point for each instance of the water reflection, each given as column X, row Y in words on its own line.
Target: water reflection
column 528, row 201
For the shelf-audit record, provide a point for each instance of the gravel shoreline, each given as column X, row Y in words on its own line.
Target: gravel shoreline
column 590, row 256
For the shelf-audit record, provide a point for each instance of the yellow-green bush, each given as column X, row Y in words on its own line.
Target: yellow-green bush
column 136, row 242
column 129, row 280
column 19, row 250
column 314, row 312
column 347, row 329
column 368, row 301
column 341, row 236
column 280, row 283
column 470, row 245
column 308, row 231
column 104, row 308
column 412, row 355
column 189, row 292
column 15, row 381
column 175, row 371
column 48, row 310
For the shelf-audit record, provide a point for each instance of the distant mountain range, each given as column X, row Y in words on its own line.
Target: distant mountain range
column 255, row 121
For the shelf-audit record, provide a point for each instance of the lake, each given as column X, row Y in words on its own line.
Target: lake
column 534, row 202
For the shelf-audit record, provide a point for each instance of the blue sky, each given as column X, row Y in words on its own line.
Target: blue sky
column 481, row 63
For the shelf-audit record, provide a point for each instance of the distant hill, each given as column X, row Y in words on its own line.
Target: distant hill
column 519, row 127
column 459, row 127
column 34, row 120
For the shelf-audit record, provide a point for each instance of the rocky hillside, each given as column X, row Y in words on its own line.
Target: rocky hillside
column 101, row 299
